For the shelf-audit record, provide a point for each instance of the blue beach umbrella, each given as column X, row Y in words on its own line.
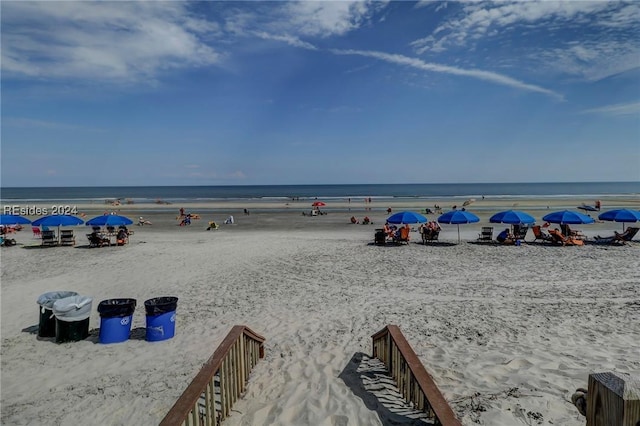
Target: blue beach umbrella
column 621, row 215
column 58, row 220
column 512, row 217
column 406, row 217
column 456, row 217
column 567, row 217
column 13, row 219
column 109, row 220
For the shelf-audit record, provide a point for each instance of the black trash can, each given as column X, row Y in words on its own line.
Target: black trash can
column 115, row 319
column 161, row 318
column 47, row 322
column 72, row 318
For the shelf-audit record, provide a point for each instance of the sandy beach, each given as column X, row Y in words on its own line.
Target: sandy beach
column 508, row 333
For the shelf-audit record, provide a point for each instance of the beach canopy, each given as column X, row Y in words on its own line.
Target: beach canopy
column 58, row 220
column 109, row 220
column 620, row 215
column 406, row 217
column 512, row 217
column 13, row 219
column 567, row 217
column 456, row 217
column 318, row 204
column 588, row 208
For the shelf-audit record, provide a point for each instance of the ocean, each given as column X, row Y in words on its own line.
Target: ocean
column 177, row 194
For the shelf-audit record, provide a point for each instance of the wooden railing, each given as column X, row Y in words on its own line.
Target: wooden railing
column 412, row 379
column 220, row 382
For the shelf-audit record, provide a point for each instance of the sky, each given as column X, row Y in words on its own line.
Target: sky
column 332, row 92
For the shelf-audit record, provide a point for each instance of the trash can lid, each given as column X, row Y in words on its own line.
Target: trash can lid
column 73, row 308
column 48, row 299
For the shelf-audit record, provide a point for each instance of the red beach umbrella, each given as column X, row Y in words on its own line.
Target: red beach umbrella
column 318, row 204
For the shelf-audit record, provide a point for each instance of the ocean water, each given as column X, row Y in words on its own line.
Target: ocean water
column 176, row 194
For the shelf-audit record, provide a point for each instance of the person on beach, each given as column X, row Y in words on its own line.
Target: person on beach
column 505, row 237
column 181, row 212
column 142, row 221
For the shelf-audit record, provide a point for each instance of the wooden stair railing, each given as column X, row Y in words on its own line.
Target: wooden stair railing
column 220, row 382
column 412, row 379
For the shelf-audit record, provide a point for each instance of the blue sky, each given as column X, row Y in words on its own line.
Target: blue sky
column 234, row 93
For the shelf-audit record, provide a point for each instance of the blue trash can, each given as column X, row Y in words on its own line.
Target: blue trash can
column 47, row 323
column 161, row 318
column 115, row 319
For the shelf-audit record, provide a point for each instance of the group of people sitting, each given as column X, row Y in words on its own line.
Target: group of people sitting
column 395, row 233
column 365, row 221
column 430, row 231
column 97, row 238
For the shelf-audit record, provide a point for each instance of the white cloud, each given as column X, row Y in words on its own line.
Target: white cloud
column 290, row 40
column 591, row 61
column 557, row 25
column 329, row 18
column 473, row 73
column 124, row 41
column 616, row 110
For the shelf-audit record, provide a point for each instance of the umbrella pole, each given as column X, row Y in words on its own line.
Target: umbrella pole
column 458, row 233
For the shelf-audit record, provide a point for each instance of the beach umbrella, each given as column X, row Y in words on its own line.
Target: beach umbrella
column 13, row 219
column 567, row 217
column 621, row 215
column 58, row 220
column 318, row 204
column 512, row 217
column 457, row 217
column 109, row 220
column 406, row 217
column 587, row 208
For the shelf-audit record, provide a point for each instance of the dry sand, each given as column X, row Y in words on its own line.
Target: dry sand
column 507, row 332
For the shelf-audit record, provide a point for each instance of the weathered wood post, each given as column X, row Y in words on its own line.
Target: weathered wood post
column 613, row 399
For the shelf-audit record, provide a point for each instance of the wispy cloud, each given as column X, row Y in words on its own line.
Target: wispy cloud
column 290, row 40
column 616, row 110
column 34, row 123
column 600, row 25
column 329, row 18
column 125, row 41
column 431, row 67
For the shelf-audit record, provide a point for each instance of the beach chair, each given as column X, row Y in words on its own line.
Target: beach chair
column 520, row 232
column 617, row 238
column 486, row 234
column 380, row 237
column 67, row 238
column 430, row 235
column 559, row 238
column 402, row 236
column 49, row 238
column 98, row 240
column 539, row 234
column 36, row 232
column 629, row 233
column 573, row 233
